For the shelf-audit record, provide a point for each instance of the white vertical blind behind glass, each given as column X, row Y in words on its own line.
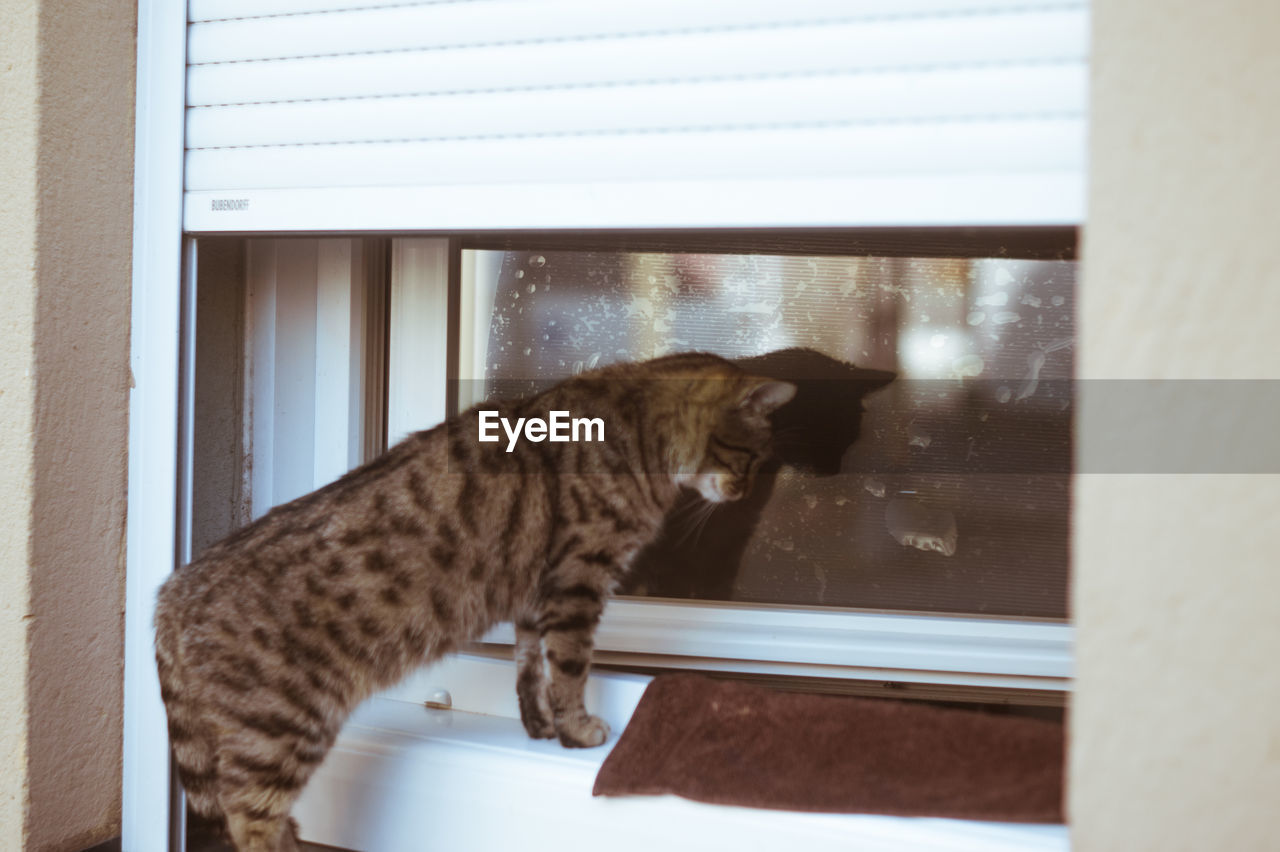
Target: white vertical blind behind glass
column 562, row 113
column 314, row 364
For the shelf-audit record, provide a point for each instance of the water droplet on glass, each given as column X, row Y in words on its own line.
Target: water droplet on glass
column 1005, row 317
column 533, row 288
column 528, row 350
column 1003, row 394
column 914, row 524
column 519, row 273
column 537, row 261
column 968, row 365
column 938, row 341
column 1058, row 301
column 821, row 576
column 976, row 317
column 996, row 299
column 1035, row 363
column 917, row 437
column 874, row 487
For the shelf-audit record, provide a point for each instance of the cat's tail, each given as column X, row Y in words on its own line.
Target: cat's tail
column 193, row 742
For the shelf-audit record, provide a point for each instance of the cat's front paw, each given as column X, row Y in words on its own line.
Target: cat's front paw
column 534, row 712
column 582, row 731
column 538, row 726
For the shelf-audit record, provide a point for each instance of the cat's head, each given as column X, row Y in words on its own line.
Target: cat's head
column 722, row 432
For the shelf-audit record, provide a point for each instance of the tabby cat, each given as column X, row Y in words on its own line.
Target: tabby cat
column 270, row 638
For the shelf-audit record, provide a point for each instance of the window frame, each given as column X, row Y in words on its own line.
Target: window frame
column 152, row 817
column 431, row 353
column 818, row 642
column 425, row 281
column 161, row 397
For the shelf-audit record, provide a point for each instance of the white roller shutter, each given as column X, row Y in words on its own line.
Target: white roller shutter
column 528, row 114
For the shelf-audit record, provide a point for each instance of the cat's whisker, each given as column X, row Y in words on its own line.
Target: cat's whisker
column 681, row 512
column 704, row 518
column 687, row 519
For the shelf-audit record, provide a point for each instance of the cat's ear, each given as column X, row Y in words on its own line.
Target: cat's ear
column 766, row 396
column 871, row 380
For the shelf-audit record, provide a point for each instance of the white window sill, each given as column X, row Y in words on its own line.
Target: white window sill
column 402, row 777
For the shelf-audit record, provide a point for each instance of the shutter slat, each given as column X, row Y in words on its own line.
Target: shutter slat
column 217, row 10
column 1040, row 198
column 988, row 40
column 933, row 148
column 521, row 21
column 858, row 99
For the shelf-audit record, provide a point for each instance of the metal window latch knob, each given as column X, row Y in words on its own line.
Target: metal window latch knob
column 439, row 699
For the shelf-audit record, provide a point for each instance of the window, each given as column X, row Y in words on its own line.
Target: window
column 931, row 551
column 977, row 423
column 374, row 175
column 927, row 558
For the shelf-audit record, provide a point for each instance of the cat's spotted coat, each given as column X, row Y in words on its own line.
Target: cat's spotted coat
column 269, row 639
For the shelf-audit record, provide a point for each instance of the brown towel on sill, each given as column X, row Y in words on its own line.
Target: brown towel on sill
column 735, row 744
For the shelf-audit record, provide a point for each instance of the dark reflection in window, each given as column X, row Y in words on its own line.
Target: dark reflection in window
column 955, row 498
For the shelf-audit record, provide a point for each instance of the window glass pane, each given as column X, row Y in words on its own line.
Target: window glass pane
column 955, row 496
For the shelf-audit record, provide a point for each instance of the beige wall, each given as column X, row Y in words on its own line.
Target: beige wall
column 65, row 234
column 1176, row 718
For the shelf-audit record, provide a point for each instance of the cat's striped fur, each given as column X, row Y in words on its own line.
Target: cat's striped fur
column 271, row 637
